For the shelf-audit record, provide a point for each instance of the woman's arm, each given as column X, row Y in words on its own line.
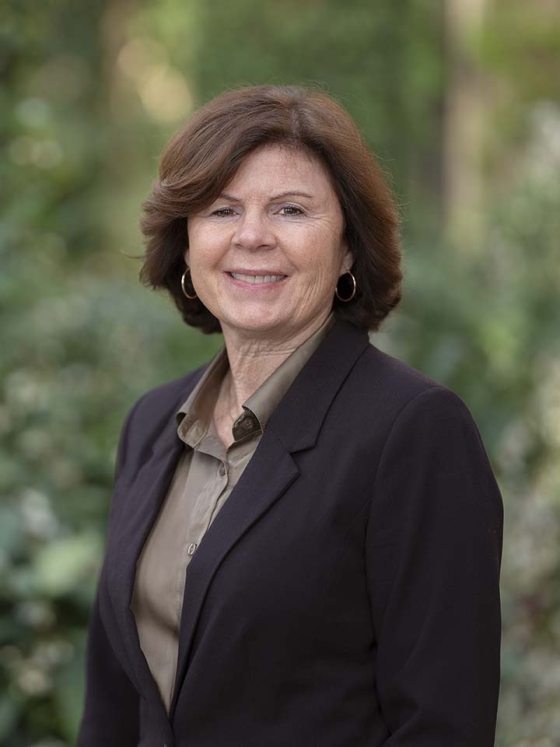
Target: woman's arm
column 110, row 717
column 433, row 560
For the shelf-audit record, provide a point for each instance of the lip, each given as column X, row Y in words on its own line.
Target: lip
column 240, row 283
column 263, row 271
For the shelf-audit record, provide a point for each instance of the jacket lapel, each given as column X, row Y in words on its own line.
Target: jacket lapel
column 294, row 426
column 267, row 476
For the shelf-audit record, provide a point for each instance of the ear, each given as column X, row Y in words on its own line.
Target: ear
column 347, row 260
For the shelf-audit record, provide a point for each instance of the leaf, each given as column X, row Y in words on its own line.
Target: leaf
column 65, row 564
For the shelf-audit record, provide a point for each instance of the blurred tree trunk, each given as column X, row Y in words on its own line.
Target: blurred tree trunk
column 121, row 161
column 116, row 15
column 463, row 123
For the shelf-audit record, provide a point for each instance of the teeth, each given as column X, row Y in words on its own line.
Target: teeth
column 257, row 278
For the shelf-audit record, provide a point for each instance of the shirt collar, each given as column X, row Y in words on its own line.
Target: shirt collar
column 195, row 414
column 265, row 399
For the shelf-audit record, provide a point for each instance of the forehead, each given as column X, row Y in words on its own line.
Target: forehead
column 280, row 168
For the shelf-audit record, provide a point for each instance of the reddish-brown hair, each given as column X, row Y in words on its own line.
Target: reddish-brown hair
column 202, row 158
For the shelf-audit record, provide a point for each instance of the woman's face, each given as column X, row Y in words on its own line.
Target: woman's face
column 265, row 256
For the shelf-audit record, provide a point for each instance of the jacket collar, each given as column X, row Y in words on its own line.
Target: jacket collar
column 312, row 393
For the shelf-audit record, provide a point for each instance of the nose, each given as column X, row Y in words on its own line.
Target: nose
column 253, row 231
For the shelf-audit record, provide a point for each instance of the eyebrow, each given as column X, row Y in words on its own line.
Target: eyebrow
column 280, row 196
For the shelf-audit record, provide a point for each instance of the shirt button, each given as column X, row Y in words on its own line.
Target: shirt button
column 247, row 423
column 191, row 548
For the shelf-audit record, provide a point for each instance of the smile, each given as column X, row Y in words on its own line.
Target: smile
column 256, row 279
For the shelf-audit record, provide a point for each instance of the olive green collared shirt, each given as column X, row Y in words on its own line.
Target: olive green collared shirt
column 204, row 478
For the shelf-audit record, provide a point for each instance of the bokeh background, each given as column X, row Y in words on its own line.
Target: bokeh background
column 460, row 99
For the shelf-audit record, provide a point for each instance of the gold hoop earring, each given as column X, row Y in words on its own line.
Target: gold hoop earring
column 184, row 286
column 354, row 288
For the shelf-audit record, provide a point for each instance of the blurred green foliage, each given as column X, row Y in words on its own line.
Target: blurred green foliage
column 90, row 92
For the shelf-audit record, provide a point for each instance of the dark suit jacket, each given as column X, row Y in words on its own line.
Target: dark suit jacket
column 346, row 595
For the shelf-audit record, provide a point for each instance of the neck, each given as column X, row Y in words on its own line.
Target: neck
column 252, row 360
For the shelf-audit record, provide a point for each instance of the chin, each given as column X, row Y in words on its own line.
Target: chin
column 256, row 325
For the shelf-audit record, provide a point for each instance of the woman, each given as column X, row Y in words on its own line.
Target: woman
column 305, row 536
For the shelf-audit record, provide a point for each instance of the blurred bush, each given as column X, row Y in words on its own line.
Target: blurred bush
column 90, row 92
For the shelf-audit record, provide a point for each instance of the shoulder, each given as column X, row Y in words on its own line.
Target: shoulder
column 421, row 419
column 396, row 390
column 430, row 449
column 396, row 405
column 162, row 399
column 151, row 412
column 392, row 373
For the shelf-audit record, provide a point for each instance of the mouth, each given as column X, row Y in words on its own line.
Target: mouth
column 257, row 278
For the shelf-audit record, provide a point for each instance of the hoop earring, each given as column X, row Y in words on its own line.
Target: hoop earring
column 184, row 286
column 354, row 288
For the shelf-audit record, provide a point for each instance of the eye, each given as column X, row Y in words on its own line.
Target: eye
column 223, row 212
column 290, row 210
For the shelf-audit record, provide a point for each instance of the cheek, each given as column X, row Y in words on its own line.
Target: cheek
column 200, row 237
column 203, row 252
column 324, row 263
column 319, row 283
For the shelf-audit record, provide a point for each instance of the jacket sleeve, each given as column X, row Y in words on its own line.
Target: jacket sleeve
column 433, row 552
column 110, row 716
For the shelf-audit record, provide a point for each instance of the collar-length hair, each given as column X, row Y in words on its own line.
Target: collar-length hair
column 203, row 157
